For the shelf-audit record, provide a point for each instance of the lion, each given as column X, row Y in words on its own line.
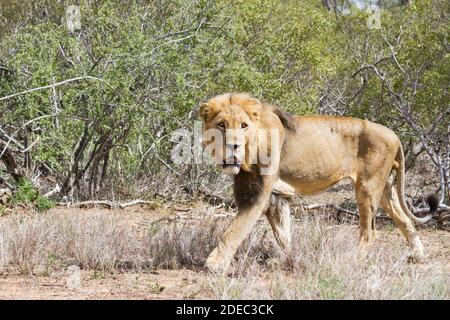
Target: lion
column 308, row 155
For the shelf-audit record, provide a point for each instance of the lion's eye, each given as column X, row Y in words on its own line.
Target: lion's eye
column 221, row 125
column 244, row 125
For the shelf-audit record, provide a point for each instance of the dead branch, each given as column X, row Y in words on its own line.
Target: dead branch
column 441, row 209
column 171, row 34
column 215, row 199
column 52, row 192
column 328, row 206
column 53, row 85
column 440, row 216
column 106, row 203
column 11, row 164
column 6, row 183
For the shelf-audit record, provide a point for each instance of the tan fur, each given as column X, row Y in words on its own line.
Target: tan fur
column 314, row 153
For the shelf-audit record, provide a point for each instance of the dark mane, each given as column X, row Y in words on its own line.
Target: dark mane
column 248, row 187
column 286, row 118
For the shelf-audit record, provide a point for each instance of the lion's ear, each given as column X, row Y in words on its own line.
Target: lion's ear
column 251, row 105
column 253, row 108
column 206, row 110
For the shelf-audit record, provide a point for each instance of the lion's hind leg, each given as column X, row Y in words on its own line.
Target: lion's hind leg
column 391, row 205
column 368, row 199
column 279, row 217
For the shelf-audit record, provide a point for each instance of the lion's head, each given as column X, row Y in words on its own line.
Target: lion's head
column 230, row 130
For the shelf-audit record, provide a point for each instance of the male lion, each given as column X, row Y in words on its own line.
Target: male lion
column 308, row 155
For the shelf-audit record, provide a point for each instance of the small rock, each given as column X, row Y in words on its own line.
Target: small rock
column 40, row 270
column 73, row 277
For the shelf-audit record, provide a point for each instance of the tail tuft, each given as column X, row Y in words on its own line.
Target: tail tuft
column 433, row 202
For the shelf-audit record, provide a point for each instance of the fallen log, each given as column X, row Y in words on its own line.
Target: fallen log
column 440, row 215
column 106, row 203
column 329, row 206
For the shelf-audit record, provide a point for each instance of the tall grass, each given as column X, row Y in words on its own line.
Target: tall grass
column 322, row 264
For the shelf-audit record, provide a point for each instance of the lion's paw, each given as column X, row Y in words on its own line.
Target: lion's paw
column 417, row 257
column 215, row 263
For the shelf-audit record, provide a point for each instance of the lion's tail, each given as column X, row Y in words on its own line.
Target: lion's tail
column 400, row 182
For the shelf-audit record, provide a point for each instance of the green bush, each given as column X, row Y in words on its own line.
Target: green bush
column 44, row 204
column 152, row 63
column 26, row 194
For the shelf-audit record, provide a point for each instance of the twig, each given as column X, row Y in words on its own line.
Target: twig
column 442, row 208
column 181, row 32
column 5, row 135
column 181, row 39
column 107, row 203
column 11, row 138
column 65, row 55
column 333, row 206
column 31, row 145
column 215, row 199
column 6, row 183
column 52, row 86
column 52, row 192
column 167, row 165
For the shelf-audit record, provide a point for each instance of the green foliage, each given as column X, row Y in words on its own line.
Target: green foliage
column 27, row 194
column 418, row 35
column 331, row 287
column 156, row 61
column 44, row 203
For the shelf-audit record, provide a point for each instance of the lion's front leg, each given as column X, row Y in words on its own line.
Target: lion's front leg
column 221, row 257
column 252, row 193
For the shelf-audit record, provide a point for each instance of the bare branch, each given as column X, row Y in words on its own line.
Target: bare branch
column 53, row 85
column 333, row 206
column 181, row 32
column 107, row 203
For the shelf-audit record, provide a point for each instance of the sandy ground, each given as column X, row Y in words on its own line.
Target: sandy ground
column 160, row 284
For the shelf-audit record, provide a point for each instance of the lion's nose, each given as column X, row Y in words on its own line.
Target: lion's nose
column 233, row 146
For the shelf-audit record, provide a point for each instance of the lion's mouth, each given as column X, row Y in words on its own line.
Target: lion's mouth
column 231, row 163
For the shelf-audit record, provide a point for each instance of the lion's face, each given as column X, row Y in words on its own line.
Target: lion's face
column 230, row 129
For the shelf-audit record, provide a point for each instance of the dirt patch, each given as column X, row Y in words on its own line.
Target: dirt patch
column 160, row 284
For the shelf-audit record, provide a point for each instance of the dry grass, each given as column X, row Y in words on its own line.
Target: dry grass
column 101, row 241
column 49, row 241
column 324, row 264
column 321, row 265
